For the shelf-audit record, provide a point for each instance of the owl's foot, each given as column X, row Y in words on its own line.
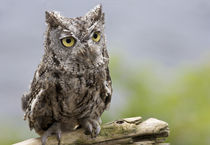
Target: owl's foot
column 91, row 126
column 54, row 129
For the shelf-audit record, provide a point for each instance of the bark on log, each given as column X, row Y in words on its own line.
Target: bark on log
column 121, row 132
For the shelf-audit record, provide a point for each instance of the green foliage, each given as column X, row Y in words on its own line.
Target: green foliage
column 182, row 99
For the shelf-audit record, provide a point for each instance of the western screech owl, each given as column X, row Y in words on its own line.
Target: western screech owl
column 72, row 85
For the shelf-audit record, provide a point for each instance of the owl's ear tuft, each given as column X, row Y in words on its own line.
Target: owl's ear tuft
column 95, row 14
column 51, row 18
column 102, row 17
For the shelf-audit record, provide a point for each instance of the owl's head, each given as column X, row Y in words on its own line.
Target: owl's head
column 77, row 40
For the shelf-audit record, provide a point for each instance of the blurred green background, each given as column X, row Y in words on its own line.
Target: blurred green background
column 159, row 61
column 179, row 96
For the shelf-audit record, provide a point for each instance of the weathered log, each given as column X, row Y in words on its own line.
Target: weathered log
column 121, row 132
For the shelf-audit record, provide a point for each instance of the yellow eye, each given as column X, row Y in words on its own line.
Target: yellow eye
column 96, row 36
column 68, row 41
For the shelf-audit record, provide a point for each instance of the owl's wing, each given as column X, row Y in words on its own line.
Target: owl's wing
column 41, row 86
column 35, row 87
column 107, row 89
column 39, row 101
column 34, row 90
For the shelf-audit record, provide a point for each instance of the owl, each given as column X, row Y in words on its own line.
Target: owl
column 72, row 85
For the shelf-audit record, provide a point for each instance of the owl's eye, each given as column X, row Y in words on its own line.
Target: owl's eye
column 68, row 41
column 96, row 36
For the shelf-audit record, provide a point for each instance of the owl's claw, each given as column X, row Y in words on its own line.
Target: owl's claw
column 91, row 126
column 54, row 129
column 44, row 138
column 58, row 136
column 99, row 120
column 97, row 130
column 88, row 127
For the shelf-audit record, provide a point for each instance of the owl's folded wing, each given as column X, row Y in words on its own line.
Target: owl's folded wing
column 107, row 90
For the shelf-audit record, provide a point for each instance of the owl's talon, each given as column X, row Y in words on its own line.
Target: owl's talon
column 43, row 139
column 99, row 120
column 98, row 129
column 54, row 129
column 91, row 127
column 88, row 128
column 58, row 136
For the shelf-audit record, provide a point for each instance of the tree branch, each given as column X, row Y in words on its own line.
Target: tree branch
column 124, row 131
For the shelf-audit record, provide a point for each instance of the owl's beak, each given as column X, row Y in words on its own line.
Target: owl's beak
column 90, row 55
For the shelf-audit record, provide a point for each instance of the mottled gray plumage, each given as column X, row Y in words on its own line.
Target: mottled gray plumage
column 72, row 85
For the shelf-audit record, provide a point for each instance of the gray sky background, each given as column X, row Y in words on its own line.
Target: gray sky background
column 166, row 31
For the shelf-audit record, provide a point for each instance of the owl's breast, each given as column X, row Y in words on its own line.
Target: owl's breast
column 81, row 94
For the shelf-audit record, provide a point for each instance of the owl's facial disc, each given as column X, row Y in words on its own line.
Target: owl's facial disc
column 78, row 39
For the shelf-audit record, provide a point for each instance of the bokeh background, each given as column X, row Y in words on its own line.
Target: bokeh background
column 160, row 61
